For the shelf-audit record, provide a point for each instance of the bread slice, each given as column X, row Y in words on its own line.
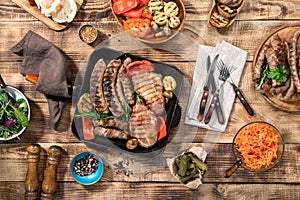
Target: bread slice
column 49, row 7
column 67, row 12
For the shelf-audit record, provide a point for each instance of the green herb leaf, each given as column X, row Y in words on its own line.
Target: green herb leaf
column 278, row 74
column 22, row 119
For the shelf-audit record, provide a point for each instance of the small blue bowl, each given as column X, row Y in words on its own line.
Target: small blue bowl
column 89, row 179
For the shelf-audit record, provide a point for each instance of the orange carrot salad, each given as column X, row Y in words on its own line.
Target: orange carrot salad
column 257, row 144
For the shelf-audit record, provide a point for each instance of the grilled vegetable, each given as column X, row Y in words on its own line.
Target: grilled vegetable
column 162, row 130
column 122, row 6
column 169, row 83
column 160, row 18
column 155, row 5
column 171, row 9
column 137, row 67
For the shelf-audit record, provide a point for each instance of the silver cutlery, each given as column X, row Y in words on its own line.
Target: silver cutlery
column 225, row 76
column 215, row 102
column 209, row 85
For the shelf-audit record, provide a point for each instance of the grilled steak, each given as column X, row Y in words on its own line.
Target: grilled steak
column 96, row 87
column 143, row 125
column 110, row 133
column 109, row 90
column 149, row 86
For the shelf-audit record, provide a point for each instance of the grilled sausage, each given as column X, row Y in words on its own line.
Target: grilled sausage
column 113, row 123
column 99, row 101
column 126, row 83
column 109, row 90
column 110, row 133
column 293, row 61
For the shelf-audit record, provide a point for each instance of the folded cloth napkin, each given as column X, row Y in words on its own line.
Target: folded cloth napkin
column 45, row 59
column 230, row 55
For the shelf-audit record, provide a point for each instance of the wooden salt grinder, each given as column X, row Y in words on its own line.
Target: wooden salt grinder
column 49, row 184
column 32, row 176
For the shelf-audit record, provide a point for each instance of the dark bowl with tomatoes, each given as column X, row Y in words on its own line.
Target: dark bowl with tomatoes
column 166, row 121
column 150, row 21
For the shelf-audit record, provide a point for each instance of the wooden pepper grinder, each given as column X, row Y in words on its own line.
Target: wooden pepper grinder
column 32, row 176
column 49, row 184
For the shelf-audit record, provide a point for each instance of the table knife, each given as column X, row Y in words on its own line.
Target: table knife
column 209, row 81
column 215, row 105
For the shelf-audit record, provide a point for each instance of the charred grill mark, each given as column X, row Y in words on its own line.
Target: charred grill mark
column 110, row 133
column 293, row 61
column 97, row 92
column 145, row 84
column 108, row 85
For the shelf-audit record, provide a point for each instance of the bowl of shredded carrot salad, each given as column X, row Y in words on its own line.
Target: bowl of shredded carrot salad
column 259, row 145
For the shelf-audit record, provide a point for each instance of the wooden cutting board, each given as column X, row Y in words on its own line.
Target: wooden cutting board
column 33, row 9
column 294, row 104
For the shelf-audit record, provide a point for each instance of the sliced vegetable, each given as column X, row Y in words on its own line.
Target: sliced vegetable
column 162, row 130
column 143, row 2
column 149, row 36
column 123, row 6
column 135, row 13
column 132, row 143
column 147, row 14
column 137, row 27
column 160, row 18
column 33, row 78
column 169, row 83
column 155, row 5
column 137, row 67
column 88, row 128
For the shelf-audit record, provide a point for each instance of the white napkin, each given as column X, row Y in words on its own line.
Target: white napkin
column 230, row 55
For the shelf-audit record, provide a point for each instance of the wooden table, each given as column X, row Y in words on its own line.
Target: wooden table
column 255, row 21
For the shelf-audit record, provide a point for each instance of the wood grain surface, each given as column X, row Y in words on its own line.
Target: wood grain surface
column 255, row 20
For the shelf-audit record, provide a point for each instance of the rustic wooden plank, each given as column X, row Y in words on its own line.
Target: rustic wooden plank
column 92, row 9
column 154, row 191
column 239, row 34
column 219, row 159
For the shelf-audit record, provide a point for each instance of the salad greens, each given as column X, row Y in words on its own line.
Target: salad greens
column 13, row 115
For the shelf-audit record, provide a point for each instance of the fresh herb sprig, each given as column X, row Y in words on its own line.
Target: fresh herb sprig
column 94, row 115
column 264, row 76
column 278, row 74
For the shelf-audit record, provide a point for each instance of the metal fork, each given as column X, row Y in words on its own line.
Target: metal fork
column 225, row 76
column 215, row 103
